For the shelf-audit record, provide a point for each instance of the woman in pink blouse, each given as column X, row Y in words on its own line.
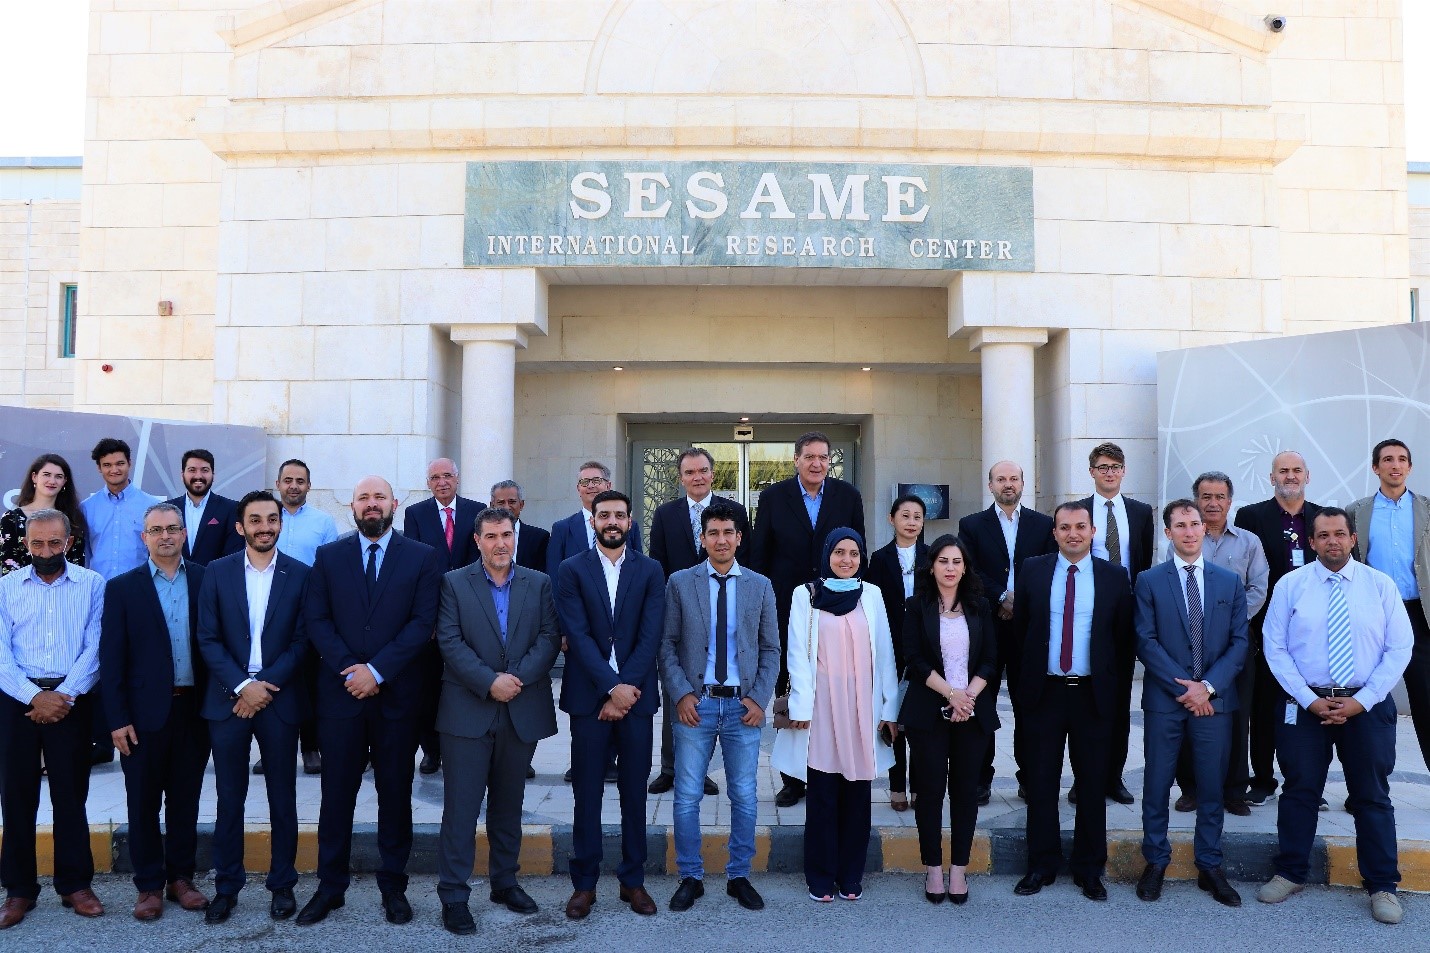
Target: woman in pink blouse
column 950, row 653
column 843, row 697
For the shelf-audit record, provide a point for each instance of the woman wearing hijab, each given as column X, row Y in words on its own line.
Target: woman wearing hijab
column 843, row 705
column 951, row 653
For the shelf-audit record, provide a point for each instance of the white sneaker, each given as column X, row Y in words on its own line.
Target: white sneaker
column 1278, row 888
column 1385, row 907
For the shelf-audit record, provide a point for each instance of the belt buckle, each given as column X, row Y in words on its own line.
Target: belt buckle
column 1073, row 681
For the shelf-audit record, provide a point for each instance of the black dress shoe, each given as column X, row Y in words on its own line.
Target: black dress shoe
column 612, row 774
column 1119, row 793
column 1185, row 804
column 281, row 905
column 690, row 890
column 395, row 906
column 1033, row 882
column 317, row 909
column 457, row 918
column 220, row 908
column 258, row 766
column 710, row 786
column 1022, row 793
column 430, row 764
column 530, row 772
column 1149, row 885
column 663, row 782
column 984, row 794
column 1238, row 807
column 102, row 754
column 958, row 899
column 567, row 776
column 1092, row 887
column 312, row 762
column 744, row 893
column 1072, row 795
column 514, row 899
column 789, row 795
column 1215, row 883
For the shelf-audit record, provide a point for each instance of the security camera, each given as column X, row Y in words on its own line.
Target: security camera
column 1275, row 23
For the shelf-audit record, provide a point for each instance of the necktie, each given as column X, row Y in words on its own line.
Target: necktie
column 1114, row 538
column 1069, row 603
column 448, row 527
column 371, row 573
column 1194, row 620
column 1341, row 657
column 695, row 512
column 722, row 637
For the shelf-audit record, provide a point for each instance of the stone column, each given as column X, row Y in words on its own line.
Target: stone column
column 1006, row 356
column 488, row 403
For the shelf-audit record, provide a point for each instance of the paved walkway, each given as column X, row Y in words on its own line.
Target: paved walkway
column 548, row 798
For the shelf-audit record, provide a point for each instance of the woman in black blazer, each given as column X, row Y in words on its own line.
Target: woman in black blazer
column 891, row 568
column 947, row 713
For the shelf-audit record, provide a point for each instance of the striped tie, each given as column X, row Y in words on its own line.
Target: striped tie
column 1341, row 657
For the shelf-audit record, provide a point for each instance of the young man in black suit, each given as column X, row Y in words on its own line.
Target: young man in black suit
column 1123, row 538
column 794, row 517
column 1070, row 689
column 675, row 544
column 531, row 541
column 207, row 517
column 1000, row 539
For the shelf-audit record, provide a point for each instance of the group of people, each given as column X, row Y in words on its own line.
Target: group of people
column 185, row 629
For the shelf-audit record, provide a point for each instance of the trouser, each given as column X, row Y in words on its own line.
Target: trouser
column 1365, row 745
column 1120, row 722
column 694, row 747
column 899, row 780
column 308, row 730
column 66, row 746
column 1165, row 735
column 591, row 742
column 232, row 739
column 837, row 821
column 1238, row 764
column 1264, row 709
column 946, row 758
column 1417, row 676
column 429, row 661
column 166, row 770
column 1066, row 715
column 1009, row 654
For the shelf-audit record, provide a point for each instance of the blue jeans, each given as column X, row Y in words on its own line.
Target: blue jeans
column 740, row 744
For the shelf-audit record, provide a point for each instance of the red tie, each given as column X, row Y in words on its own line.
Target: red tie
column 1069, row 601
column 447, row 517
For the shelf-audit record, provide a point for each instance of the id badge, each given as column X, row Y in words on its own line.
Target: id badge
column 1291, row 713
column 1298, row 558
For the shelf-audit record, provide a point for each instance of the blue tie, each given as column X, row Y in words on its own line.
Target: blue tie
column 1341, row 656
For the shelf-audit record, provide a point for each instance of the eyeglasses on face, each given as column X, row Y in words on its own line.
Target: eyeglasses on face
column 1109, row 468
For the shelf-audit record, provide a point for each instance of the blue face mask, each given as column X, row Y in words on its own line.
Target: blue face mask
column 841, row 585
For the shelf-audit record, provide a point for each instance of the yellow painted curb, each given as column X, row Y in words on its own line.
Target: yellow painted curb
column 1343, row 871
column 714, row 852
column 537, row 855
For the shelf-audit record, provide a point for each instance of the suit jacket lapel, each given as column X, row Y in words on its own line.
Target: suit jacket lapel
column 481, row 589
column 280, row 579
column 1179, row 597
column 623, row 585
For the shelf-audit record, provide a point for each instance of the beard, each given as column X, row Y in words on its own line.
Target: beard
column 374, row 526
column 606, row 542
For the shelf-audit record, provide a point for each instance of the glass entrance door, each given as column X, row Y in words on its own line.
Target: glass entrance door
column 742, row 469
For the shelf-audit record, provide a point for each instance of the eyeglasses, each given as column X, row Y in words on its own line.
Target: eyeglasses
column 164, row 531
column 1109, row 468
column 593, row 481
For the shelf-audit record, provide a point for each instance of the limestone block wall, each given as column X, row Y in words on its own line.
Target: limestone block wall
column 39, row 251
column 1420, row 254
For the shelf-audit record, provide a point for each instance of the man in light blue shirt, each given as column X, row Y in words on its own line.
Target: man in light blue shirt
column 305, row 527
column 115, row 514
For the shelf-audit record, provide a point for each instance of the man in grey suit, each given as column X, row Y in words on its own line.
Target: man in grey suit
column 719, row 657
column 496, row 628
column 1192, row 638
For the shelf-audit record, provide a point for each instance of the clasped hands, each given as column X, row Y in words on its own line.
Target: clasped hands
column 49, row 706
column 623, row 698
column 1196, row 699
column 960, row 705
column 1335, row 711
column 255, row 697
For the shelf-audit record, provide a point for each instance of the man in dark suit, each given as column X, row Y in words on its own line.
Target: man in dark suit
column 371, row 608
column 254, row 640
column 531, row 541
column 1124, row 538
column 1073, row 616
column 1283, row 524
column 496, row 626
column 208, row 517
column 1191, row 636
column 611, row 602
column 999, row 539
column 149, row 661
column 444, row 521
column 574, row 534
column 793, row 518
column 675, row 543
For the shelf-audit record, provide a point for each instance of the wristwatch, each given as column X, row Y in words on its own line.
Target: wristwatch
column 1211, row 692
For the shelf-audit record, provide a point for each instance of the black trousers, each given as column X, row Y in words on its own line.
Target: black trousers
column 308, row 731
column 66, row 746
column 899, row 779
column 431, row 666
column 347, row 744
column 1010, row 652
column 1120, row 722
column 1265, row 710
column 946, row 758
column 1066, row 715
column 837, row 823
column 277, row 746
column 166, row 770
column 1417, row 676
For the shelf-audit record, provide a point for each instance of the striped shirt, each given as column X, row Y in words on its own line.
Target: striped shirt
column 50, row 631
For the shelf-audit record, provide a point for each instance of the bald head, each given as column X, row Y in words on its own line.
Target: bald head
column 1289, row 476
column 442, row 480
column 1005, row 482
column 373, row 506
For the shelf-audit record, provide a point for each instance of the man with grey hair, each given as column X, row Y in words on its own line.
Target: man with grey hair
column 531, row 541
column 50, row 615
column 1237, row 549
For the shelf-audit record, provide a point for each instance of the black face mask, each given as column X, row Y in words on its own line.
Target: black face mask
column 48, row 565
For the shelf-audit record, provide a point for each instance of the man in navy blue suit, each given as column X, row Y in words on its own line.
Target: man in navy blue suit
column 445, row 522
column 1192, row 638
column 254, row 641
column 208, row 517
column 371, row 609
column 150, row 663
column 611, row 602
column 575, row 534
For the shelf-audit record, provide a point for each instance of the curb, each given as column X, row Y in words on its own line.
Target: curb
column 546, row 850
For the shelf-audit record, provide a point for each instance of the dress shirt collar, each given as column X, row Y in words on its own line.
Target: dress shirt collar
column 806, row 494
column 511, row 574
column 1382, row 500
column 710, row 570
column 1083, row 565
column 123, row 494
column 1102, row 501
column 692, row 502
column 31, row 576
column 248, row 565
column 617, row 562
column 1182, row 564
column 1347, row 572
column 203, row 502
column 154, row 569
column 1003, row 517
column 382, row 541
column 1228, row 529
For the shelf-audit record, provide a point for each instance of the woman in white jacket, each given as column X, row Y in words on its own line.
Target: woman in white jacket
column 843, row 703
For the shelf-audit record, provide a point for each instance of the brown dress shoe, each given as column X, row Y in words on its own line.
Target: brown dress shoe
column 579, row 906
column 14, row 911
column 84, row 902
column 149, row 906
column 639, row 900
column 187, row 896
